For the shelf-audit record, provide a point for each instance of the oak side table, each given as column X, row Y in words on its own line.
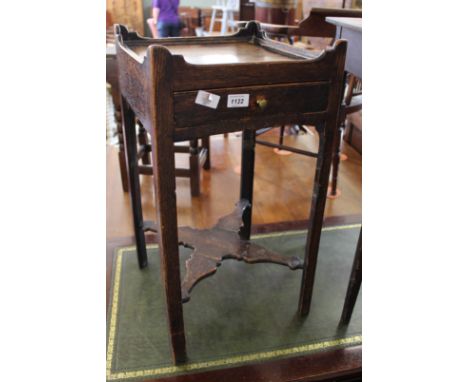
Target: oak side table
column 189, row 88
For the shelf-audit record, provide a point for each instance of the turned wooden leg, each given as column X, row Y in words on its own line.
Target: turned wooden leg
column 354, row 284
column 319, row 198
column 194, row 167
column 206, row 145
column 134, row 182
column 164, row 191
column 143, row 142
column 247, row 179
column 336, row 161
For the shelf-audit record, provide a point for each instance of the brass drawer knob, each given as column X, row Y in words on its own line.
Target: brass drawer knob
column 262, row 103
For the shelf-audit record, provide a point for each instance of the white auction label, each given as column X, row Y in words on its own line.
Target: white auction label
column 238, row 100
column 207, row 99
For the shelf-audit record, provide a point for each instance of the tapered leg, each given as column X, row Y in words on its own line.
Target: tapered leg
column 319, row 198
column 134, row 182
column 247, row 179
column 354, row 284
column 164, row 187
column 206, row 145
column 194, row 168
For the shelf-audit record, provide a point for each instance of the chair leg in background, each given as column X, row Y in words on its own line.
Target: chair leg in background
column 194, row 169
column 247, row 179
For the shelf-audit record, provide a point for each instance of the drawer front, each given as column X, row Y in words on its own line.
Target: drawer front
column 263, row 101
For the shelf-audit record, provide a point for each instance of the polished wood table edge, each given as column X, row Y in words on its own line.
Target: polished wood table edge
column 333, row 365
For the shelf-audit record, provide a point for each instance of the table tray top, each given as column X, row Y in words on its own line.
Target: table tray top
column 229, row 52
column 292, row 81
column 248, row 46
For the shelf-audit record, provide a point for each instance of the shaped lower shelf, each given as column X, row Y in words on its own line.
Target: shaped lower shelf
column 212, row 246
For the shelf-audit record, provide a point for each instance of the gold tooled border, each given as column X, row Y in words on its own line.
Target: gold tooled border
column 209, row 364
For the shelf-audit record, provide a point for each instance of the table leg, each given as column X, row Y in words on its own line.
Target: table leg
column 194, row 168
column 319, row 198
column 247, row 179
column 164, row 187
column 134, row 182
column 354, row 285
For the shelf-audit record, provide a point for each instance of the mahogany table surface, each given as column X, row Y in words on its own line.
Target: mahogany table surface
column 221, row 53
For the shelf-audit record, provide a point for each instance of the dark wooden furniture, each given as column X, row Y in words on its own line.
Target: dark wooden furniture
column 246, row 10
column 326, row 23
column 161, row 82
column 199, row 155
column 191, row 18
column 354, row 285
column 314, row 25
column 275, row 11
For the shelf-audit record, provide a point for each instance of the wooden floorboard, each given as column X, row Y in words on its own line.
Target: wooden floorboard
column 282, row 189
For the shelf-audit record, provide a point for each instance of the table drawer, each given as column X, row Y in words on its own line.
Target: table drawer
column 263, row 101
